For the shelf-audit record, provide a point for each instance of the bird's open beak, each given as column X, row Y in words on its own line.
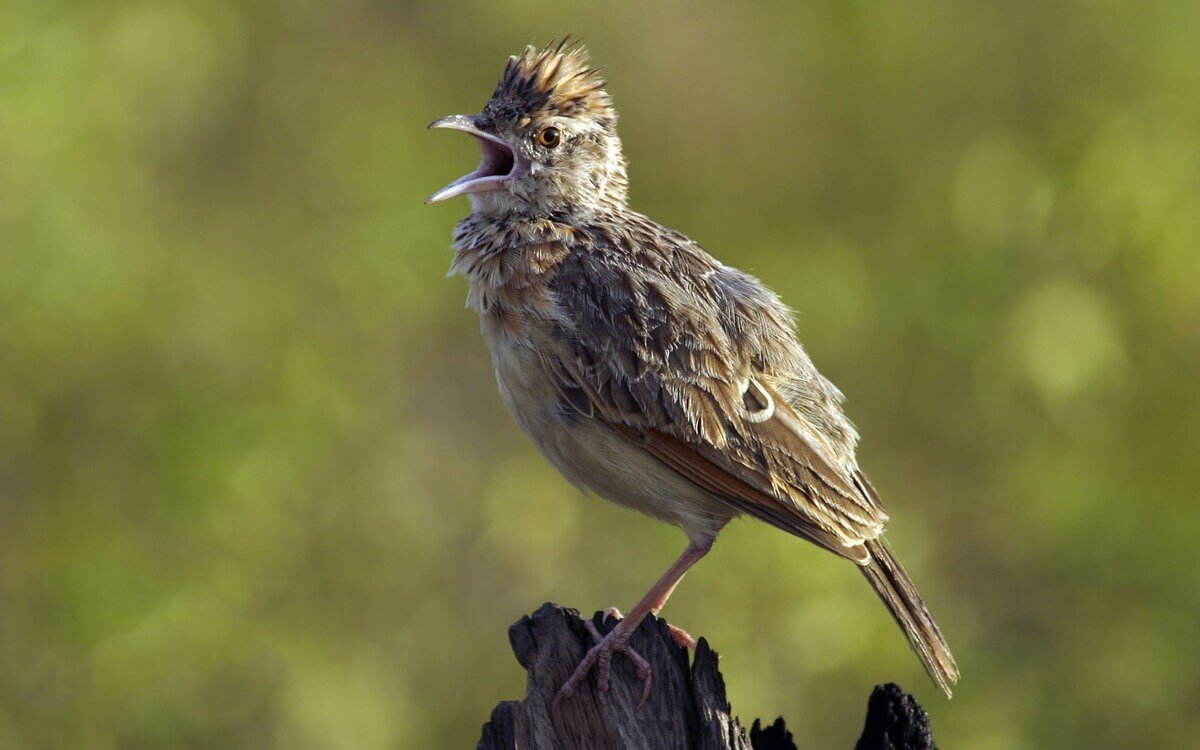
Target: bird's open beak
column 498, row 165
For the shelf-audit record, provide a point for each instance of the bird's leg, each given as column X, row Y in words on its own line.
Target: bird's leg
column 600, row 655
column 681, row 636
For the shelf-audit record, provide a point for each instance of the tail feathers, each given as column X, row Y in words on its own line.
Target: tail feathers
column 896, row 590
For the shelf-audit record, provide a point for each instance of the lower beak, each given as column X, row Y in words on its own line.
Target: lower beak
column 498, row 165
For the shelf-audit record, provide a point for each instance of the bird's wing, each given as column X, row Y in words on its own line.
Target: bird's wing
column 643, row 348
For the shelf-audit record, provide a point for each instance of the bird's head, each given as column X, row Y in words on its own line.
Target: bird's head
column 549, row 139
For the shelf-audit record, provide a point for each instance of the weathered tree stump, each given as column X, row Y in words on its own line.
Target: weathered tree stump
column 686, row 708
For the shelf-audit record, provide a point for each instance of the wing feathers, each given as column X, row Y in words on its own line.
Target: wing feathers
column 694, row 368
column 743, row 496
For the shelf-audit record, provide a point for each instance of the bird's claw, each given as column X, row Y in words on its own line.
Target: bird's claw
column 682, row 637
column 600, row 656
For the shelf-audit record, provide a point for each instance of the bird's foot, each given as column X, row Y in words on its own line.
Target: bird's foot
column 681, row 636
column 600, row 656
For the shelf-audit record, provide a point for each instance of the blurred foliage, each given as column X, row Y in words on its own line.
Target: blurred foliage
column 257, row 488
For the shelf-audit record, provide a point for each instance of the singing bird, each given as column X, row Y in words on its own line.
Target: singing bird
column 644, row 369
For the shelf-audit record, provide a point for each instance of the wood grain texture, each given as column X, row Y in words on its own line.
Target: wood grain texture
column 687, row 708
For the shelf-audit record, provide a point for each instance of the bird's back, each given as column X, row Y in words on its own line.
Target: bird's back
column 653, row 293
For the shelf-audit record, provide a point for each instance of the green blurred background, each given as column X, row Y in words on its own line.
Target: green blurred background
column 257, row 488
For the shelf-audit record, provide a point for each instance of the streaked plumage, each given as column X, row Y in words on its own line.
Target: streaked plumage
column 644, row 369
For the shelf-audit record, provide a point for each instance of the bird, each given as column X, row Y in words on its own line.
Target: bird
column 645, row 370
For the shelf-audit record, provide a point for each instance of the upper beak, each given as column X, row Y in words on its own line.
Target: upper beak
column 499, row 163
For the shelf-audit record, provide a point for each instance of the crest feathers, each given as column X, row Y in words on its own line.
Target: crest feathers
column 556, row 78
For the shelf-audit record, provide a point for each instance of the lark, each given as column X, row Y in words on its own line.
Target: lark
column 644, row 369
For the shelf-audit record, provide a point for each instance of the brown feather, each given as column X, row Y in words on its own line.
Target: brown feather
column 717, row 480
column 634, row 320
column 642, row 367
column 897, row 591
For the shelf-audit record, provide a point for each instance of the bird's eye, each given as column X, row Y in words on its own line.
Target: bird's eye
column 549, row 137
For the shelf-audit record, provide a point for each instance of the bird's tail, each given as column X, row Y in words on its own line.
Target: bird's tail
column 896, row 590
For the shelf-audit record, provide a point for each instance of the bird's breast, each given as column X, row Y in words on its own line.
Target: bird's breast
column 586, row 452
